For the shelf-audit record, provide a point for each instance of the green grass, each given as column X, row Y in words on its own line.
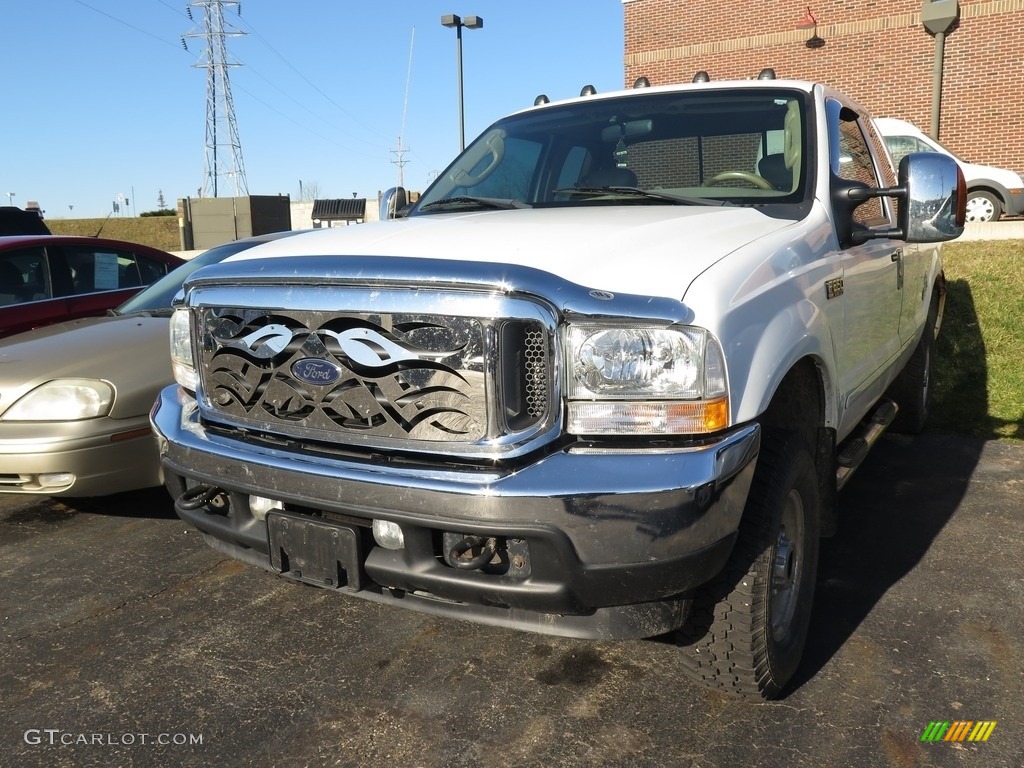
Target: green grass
column 979, row 368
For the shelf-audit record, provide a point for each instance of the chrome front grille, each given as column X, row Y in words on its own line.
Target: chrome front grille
column 423, row 381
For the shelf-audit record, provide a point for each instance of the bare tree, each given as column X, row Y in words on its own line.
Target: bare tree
column 308, row 191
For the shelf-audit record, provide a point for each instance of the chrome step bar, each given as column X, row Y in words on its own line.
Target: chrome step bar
column 856, row 447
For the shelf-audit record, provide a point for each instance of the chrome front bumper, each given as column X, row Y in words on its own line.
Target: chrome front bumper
column 614, row 538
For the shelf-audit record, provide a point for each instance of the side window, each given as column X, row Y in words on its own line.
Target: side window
column 142, row 271
column 857, row 164
column 901, row 146
column 104, row 269
column 23, row 276
column 510, row 178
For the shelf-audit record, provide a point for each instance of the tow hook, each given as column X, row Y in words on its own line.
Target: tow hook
column 202, row 496
column 461, row 555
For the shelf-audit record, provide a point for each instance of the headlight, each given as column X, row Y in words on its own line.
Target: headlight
column 63, row 400
column 639, row 381
column 182, row 362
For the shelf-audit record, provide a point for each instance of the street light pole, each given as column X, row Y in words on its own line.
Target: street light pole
column 470, row 22
column 10, row 198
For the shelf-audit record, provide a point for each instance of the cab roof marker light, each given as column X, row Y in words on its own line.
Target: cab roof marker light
column 641, row 82
column 588, row 90
column 701, row 77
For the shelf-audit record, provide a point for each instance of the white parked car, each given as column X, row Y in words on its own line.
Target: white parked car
column 991, row 191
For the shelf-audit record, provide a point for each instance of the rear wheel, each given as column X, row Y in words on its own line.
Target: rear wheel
column 747, row 628
column 912, row 389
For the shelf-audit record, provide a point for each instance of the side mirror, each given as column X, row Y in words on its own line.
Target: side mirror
column 392, row 203
column 934, row 206
column 932, row 198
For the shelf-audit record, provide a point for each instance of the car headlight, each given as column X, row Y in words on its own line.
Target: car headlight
column 182, row 361
column 63, row 400
column 645, row 380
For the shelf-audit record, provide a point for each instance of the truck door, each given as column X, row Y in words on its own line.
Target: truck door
column 916, row 259
column 872, row 271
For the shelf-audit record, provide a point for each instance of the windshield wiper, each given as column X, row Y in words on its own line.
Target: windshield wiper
column 465, row 201
column 663, row 197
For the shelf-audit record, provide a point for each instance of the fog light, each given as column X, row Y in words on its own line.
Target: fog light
column 388, row 534
column 56, row 479
column 260, row 505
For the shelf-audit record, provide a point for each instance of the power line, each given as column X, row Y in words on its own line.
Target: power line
column 240, row 62
column 125, row 23
column 309, row 82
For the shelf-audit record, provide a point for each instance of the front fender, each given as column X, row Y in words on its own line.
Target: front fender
column 761, row 357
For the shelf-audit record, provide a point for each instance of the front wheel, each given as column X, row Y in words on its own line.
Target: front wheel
column 983, row 206
column 747, row 627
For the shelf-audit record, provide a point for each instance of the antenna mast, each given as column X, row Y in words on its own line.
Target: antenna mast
column 400, row 152
column 221, row 126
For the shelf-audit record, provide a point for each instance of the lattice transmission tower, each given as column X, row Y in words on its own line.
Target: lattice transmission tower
column 223, row 147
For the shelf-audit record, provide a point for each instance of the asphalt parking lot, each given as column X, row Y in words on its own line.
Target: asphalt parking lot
column 127, row 642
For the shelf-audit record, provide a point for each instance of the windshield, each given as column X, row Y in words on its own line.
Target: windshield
column 730, row 146
column 159, row 295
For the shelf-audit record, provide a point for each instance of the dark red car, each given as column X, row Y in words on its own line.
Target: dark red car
column 50, row 278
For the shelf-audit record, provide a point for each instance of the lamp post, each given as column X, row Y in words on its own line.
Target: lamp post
column 938, row 18
column 470, row 22
column 10, row 198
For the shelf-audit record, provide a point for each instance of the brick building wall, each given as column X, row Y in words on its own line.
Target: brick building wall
column 876, row 51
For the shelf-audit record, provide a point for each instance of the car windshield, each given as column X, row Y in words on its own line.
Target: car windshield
column 158, row 296
column 715, row 147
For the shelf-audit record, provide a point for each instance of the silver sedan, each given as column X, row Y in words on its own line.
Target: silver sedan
column 75, row 396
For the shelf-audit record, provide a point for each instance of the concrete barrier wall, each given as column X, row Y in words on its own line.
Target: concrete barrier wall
column 996, row 230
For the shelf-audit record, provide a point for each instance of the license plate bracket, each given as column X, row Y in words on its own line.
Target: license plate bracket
column 315, row 552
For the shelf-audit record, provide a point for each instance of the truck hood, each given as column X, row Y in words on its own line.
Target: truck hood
column 644, row 250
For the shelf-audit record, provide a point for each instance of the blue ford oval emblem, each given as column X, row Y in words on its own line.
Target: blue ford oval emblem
column 315, row 371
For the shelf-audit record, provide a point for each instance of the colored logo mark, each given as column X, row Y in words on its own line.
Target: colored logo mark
column 959, row 730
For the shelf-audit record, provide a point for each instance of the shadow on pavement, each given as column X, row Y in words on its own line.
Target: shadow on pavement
column 149, row 502
column 903, row 496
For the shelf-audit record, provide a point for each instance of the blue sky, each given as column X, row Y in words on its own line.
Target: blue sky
column 101, row 99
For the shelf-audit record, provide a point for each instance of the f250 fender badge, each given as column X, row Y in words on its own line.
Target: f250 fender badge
column 312, row 370
column 833, row 288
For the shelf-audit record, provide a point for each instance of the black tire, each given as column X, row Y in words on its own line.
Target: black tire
column 983, row 206
column 912, row 389
column 747, row 628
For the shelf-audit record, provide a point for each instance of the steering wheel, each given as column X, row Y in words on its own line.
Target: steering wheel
column 751, row 178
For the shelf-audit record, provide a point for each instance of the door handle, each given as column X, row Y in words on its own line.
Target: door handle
column 897, row 258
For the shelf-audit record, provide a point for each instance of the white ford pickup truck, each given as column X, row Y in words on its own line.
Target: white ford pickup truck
column 604, row 379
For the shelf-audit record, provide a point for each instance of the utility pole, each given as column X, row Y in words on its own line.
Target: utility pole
column 221, row 125
column 400, row 161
